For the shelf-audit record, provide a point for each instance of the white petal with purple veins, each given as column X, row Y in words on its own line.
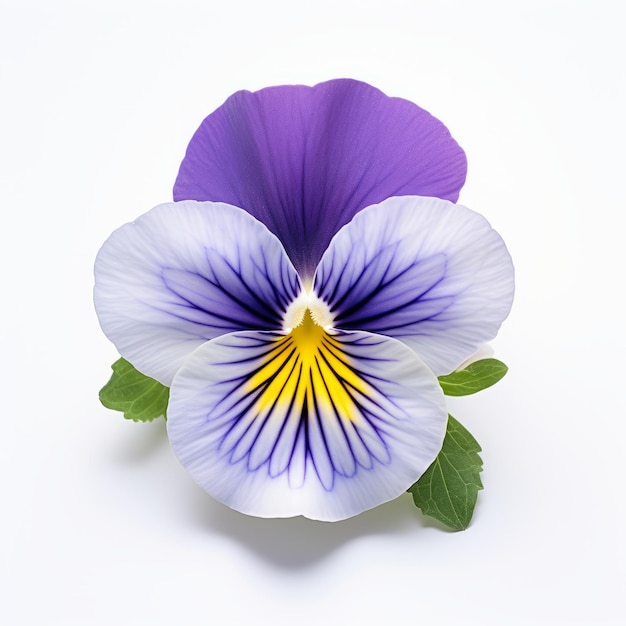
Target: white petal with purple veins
column 185, row 273
column 312, row 423
column 430, row 273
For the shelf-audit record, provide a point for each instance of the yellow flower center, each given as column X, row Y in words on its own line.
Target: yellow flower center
column 309, row 370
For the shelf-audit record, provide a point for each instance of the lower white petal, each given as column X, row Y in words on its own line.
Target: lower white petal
column 325, row 425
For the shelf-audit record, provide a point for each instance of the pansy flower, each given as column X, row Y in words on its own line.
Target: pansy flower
column 302, row 295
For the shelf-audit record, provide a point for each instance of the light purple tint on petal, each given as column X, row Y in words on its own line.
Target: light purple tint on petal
column 255, row 427
column 305, row 160
column 185, row 273
column 428, row 272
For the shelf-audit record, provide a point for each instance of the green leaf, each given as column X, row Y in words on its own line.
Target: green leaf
column 475, row 377
column 141, row 398
column 449, row 488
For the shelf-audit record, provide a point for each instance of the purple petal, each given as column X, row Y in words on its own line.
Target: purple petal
column 305, row 160
column 430, row 273
column 185, row 273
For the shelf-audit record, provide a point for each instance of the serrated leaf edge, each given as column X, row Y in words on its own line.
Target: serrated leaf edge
column 452, row 431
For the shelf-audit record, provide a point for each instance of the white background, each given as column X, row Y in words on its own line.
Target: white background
column 100, row 524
